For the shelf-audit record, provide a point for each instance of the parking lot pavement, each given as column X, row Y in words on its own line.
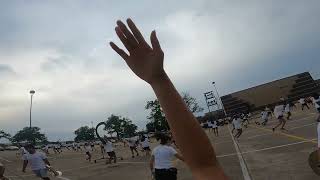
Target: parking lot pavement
column 261, row 155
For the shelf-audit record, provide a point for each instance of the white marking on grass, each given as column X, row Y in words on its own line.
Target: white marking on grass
column 268, row 148
column 293, row 128
column 243, row 165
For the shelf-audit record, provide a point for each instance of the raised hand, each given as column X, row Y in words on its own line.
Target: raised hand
column 145, row 61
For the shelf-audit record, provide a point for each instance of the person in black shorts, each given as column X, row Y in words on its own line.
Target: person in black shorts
column 145, row 144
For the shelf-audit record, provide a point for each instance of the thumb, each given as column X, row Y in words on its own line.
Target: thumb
column 154, row 41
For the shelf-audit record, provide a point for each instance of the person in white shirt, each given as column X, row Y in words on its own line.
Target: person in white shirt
column 161, row 164
column 23, row 151
column 210, row 125
column 215, row 128
column 287, row 110
column 88, row 149
column 37, row 161
column 110, row 151
column 236, row 122
column 264, row 117
column 145, row 144
column 278, row 112
column 303, row 103
column 133, row 146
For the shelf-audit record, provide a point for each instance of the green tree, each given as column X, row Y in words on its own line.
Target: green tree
column 191, row 103
column 4, row 135
column 129, row 129
column 32, row 135
column 84, row 133
column 157, row 118
column 122, row 127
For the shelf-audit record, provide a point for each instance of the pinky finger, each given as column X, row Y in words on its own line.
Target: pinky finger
column 121, row 52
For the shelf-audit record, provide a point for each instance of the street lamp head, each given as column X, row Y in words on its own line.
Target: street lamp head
column 213, row 82
column 32, row 92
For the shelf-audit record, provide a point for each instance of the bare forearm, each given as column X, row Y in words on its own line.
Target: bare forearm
column 185, row 128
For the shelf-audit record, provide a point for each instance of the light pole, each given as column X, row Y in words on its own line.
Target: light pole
column 214, row 85
column 31, row 93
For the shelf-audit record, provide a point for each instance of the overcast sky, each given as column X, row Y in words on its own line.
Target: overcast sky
column 59, row 49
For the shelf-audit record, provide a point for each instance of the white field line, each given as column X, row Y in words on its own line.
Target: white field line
column 243, row 165
column 268, row 148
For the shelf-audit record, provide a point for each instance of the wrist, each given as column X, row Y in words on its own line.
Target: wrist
column 160, row 80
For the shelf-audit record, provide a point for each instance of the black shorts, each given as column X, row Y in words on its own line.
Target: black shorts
column 166, row 174
column 111, row 154
column 87, row 153
column 133, row 147
column 280, row 117
column 147, row 149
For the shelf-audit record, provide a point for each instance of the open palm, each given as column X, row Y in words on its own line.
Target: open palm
column 145, row 61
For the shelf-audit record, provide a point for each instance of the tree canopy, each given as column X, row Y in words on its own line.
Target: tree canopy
column 32, row 135
column 157, row 117
column 121, row 126
column 4, row 135
column 84, row 133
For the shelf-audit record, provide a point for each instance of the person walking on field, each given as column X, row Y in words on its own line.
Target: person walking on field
column 215, row 128
column 161, row 165
column 146, row 61
column 88, row 149
column 278, row 112
column 37, row 161
column 287, row 110
column 236, row 122
column 303, row 103
column 145, row 144
column 110, row 151
column 133, row 146
column 210, row 125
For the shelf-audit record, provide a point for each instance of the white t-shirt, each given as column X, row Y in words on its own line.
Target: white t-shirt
column 301, row 101
column 163, row 155
column 209, row 124
column 87, row 148
column 287, row 108
column 278, row 111
column 23, row 151
column 108, row 146
column 35, row 160
column 145, row 143
column 264, row 115
column 316, row 102
column 131, row 143
column 236, row 123
column 214, row 125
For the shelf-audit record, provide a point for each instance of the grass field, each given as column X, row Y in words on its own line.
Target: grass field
column 259, row 154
